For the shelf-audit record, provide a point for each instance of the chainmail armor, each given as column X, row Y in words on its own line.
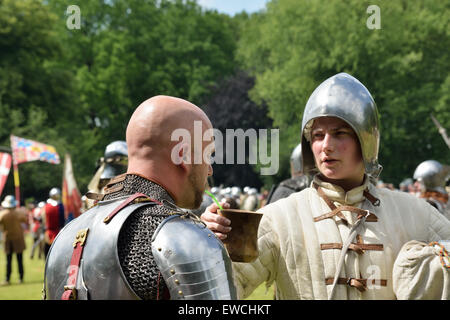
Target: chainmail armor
column 134, row 243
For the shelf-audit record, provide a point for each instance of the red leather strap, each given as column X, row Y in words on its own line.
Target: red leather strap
column 127, row 202
column 70, row 291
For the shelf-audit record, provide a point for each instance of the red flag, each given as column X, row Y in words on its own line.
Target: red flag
column 71, row 196
column 5, row 166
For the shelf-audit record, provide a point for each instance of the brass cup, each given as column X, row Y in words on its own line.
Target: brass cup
column 242, row 241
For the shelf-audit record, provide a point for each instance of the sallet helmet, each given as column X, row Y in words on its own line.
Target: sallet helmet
column 344, row 97
column 296, row 158
column 432, row 175
column 116, row 159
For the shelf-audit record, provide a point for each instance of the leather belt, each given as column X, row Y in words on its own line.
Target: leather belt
column 360, row 284
column 357, row 247
column 375, row 201
column 337, row 211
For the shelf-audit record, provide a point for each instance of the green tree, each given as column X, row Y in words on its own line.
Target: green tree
column 77, row 88
column 127, row 51
column 35, row 89
column 229, row 107
column 296, row 45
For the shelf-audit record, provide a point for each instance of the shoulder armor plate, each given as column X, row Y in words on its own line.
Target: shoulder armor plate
column 100, row 274
column 193, row 262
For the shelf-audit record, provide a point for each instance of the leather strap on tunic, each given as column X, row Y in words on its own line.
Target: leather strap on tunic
column 359, row 247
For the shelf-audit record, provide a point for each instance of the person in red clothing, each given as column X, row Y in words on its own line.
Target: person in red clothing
column 37, row 230
column 54, row 217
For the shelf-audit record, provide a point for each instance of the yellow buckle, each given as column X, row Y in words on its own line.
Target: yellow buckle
column 81, row 237
column 73, row 295
column 142, row 199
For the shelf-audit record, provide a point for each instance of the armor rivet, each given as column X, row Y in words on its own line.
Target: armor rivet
column 172, row 271
column 209, row 235
column 177, row 281
column 180, row 292
column 159, row 249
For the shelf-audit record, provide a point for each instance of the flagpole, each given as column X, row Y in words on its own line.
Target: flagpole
column 16, row 173
column 16, row 183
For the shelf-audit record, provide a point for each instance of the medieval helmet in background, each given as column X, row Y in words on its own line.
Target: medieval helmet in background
column 55, row 193
column 296, row 159
column 344, row 97
column 432, row 175
column 116, row 159
column 9, row 202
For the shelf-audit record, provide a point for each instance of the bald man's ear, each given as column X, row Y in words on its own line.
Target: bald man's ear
column 181, row 155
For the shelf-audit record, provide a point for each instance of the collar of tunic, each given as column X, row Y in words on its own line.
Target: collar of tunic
column 352, row 197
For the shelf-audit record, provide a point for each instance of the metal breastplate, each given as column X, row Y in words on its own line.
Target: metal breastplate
column 193, row 262
column 100, row 275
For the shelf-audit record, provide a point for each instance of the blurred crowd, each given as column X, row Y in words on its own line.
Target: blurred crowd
column 248, row 198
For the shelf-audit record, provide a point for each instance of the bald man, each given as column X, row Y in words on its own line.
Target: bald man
column 154, row 155
column 140, row 244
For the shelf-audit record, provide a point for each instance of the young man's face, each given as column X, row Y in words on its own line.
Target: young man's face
column 337, row 152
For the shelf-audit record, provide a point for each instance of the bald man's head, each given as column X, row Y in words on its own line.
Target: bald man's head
column 152, row 123
column 153, row 153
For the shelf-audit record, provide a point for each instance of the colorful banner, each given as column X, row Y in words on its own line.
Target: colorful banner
column 24, row 150
column 71, row 197
column 5, row 166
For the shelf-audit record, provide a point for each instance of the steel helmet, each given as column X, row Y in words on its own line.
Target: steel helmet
column 296, row 158
column 9, row 202
column 54, row 192
column 344, row 97
column 432, row 175
column 236, row 192
column 116, row 159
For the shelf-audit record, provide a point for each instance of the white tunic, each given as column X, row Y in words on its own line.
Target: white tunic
column 289, row 242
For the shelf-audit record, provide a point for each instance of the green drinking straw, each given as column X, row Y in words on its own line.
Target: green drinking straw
column 214, row 198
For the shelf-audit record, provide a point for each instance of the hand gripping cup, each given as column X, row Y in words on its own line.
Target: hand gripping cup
column 242, row 241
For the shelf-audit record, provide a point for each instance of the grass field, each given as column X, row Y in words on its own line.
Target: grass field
column 31, row 288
